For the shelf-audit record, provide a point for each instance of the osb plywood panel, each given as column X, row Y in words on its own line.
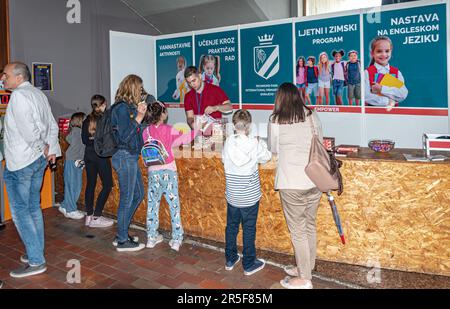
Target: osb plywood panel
column 394, row 214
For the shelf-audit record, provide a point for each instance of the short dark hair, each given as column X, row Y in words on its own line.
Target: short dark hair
column 190, row 71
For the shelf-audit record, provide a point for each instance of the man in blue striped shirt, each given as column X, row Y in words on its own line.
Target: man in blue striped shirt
column 241, row 155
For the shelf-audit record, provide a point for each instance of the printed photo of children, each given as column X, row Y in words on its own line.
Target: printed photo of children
column 338, row 76
column 384, row 83
column 209, row 68
column 353, row 77
column 312, row 80
column 182, row 86
column 300, row 73
column 324, row 79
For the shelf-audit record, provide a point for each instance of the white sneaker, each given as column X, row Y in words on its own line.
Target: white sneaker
column 100, row 222
column 175, row 244
column 152, row 242
column 291, row 270
column 62, row 210
column 286, row 283
column 88, row 220
column 76, row 215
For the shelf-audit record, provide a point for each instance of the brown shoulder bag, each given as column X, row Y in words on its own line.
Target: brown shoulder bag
column 323, row 167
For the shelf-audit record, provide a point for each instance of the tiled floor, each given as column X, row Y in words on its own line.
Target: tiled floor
column 194, row 267
column 198, row 265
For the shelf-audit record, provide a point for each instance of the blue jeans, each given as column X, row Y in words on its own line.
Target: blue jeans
column 338, row 87
column 24, row 194
column 247, row 216
column 72, row 185
column 131, row 189
column 159, row 183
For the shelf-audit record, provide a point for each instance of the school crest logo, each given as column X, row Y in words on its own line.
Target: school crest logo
column 266, row 57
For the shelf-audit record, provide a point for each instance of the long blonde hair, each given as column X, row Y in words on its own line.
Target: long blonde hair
column 130, row 90
column 326, row 65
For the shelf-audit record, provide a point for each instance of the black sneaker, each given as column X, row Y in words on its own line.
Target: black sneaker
column 1, row 284
column 129, row 245
column 116, row 240
column 28, row 270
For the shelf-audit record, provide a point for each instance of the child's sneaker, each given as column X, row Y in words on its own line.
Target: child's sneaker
column 230, row 265
column 76, row 215
column 129, row 246
column 100, row 222
column 62, row 210
column 257, row 266
column 175, row 244
column 152, row 242
column 133, row 238
column 88, row 220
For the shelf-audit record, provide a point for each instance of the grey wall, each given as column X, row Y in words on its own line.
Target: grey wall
column 220, row 14
column 79, row 52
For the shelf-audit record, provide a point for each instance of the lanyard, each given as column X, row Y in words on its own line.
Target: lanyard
column 199, row 102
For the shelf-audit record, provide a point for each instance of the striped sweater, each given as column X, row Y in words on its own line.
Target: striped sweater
column 241, row 156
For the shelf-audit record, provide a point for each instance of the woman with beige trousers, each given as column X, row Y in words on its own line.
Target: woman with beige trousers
column 290, row 132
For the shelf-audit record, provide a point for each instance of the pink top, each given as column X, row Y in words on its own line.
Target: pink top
column 301, row 75
column 170, row 137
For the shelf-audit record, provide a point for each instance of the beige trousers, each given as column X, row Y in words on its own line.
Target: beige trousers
column 300, row 212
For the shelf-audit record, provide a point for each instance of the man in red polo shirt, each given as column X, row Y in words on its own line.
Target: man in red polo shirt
column 203, row 98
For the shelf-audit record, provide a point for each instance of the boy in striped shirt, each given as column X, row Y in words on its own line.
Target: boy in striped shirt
column 241, row 155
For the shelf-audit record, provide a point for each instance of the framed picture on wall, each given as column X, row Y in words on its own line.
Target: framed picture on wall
column 42, row 76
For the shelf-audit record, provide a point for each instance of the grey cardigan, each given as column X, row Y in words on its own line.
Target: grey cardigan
column 292, row 143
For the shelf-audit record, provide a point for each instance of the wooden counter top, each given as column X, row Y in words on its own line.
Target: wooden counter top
column 394, row 155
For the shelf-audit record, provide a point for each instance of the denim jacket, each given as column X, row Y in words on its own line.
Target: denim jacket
column 127, row 132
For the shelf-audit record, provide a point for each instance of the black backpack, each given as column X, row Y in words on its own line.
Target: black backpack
column 105, row 144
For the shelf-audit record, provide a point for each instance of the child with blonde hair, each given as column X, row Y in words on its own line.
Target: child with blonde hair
column 376, row 94
column 182, row 86
column 73, row 169
column 324, row 79
column 209, row 68
column 241, row 155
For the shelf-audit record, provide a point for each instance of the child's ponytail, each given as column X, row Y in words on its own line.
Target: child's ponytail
column 154, row 112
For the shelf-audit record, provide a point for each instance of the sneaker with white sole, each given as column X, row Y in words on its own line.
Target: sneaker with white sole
column 175, row 244
column 129, row 246
column 88, row 220
column 100, row 222
column 291, row 270
column 257, row 266
column 230, row 264
column 116, row 240
column 24, row 258
column 62, row 210
column 76, row 215
column 27, row 270
column 286, row 283
column 152, row 242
